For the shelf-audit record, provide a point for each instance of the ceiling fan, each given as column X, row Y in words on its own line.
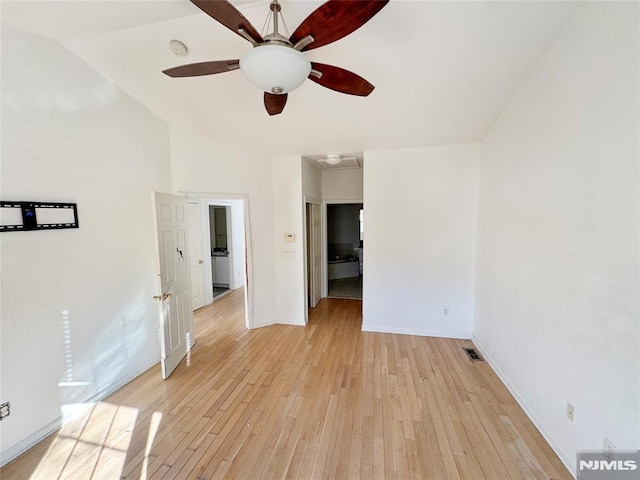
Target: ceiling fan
column 276, row 64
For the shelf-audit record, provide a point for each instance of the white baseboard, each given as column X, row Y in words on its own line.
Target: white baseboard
column 42, row 433
column 420, row 333
column 567, row 460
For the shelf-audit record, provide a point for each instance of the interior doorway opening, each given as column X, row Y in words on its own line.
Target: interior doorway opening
column 220, row 237
column 224, row 248
column 345, row 250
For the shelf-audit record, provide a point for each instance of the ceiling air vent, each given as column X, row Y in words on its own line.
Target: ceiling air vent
column 473, row 355
column 337, row 162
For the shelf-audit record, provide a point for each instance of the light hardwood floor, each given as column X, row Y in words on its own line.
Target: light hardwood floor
column 325, row 401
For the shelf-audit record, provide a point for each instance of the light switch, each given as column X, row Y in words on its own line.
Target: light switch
column 289, row 252
column 289, row 237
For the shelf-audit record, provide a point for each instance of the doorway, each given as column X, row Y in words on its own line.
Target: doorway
column 220, row 240
column 225, row 246
column 345, row 250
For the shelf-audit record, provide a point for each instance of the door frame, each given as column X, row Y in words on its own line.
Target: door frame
column 305, row 240
column 227, row 208
column 325, row 240
column 219, row 198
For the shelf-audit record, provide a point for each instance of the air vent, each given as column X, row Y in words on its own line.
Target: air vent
column 473, row 355
column 345, row 163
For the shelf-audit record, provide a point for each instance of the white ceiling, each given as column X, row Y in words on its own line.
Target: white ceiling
column 443, row 70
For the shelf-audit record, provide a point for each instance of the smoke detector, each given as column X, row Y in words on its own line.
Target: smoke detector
column 179, row 48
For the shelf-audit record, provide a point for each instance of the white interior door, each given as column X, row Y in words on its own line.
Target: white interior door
column 176, row 314
column 196, row 262
column 316, row 268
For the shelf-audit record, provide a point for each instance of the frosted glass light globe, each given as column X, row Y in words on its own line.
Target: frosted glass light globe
column 275, row 68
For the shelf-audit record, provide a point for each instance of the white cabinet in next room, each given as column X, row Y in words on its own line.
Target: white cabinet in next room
column 220, row 270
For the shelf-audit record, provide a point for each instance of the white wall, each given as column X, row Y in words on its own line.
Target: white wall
column 311, row 192
column 274, row 193
column 237, row 243
column 311, row 181
column 70, row 135
column 289, row 257
column 210, row 166
column 342, row 184
column 420, row 209
column 557, row 310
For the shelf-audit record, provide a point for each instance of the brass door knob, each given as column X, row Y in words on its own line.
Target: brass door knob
column 166, row 295
column 200, row 262
column 157, row 297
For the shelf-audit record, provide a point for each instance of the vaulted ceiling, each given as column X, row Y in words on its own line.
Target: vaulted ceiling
column 443, row 70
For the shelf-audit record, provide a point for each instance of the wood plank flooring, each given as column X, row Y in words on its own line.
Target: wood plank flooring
column 325, row 401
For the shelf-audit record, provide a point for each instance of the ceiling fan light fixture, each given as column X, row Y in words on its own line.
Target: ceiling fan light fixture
column 275, row 69
column 333, row 159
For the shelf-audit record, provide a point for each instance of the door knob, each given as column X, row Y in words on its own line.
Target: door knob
column 200, row 262
column 157, row 297
column 166, row 295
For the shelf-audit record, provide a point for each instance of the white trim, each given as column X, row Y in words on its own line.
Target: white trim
column 350, row 200
column 312, row 200
column 230, row 266
column 411, row 331
column 567, row 460
column 306, row 200
column 324, row 251
column 55, row 425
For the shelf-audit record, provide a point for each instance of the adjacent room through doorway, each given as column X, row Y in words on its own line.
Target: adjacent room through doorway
column 345, row 241
column 218, row 239
column 219, row 218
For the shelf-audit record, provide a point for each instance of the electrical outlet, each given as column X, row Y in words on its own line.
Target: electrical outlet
column 5, row 410
column 608, row 450
column 571, row 411
column 445, row 311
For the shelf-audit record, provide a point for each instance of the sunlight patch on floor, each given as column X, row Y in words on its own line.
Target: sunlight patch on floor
column 156, row 418
column 93, row 445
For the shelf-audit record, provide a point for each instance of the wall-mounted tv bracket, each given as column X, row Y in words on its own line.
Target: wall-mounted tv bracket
column 23, row 216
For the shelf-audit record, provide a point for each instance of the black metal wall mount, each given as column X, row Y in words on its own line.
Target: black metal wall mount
column 54, row 216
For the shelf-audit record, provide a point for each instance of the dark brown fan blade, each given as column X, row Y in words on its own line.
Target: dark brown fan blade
column 274, row 103
column 336, row 19
column 204, row 68
column 340, row 80
column 229, row 16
